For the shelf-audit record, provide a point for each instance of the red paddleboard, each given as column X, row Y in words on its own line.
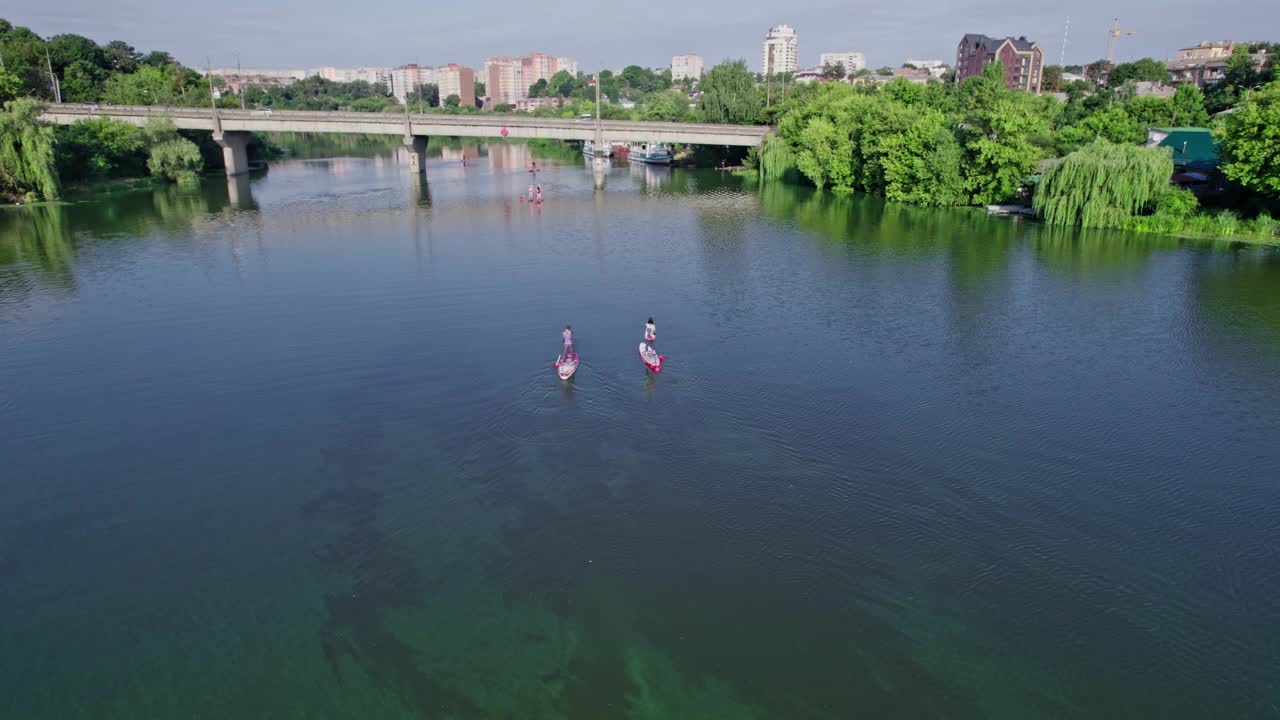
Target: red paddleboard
column 650, row 358
column 566, row 367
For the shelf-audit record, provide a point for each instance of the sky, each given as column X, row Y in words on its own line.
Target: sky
column 314, row 33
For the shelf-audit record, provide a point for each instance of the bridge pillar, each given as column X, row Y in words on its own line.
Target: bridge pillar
column 417, row 147
column 235, row 154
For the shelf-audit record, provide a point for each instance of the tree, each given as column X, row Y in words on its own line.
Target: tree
column 729, row 94
column 148, row 86
column 100, row 148
column 452, row 101
column 562, row 84
column 10, row 85
column 886, row 71
column 27, row 165
column 1103, row 185
column 1051, row 80
column 503, row 107
column 170, row 155
column 834, row 71
column 480, row 89
column 540, row 88
column 1188, row 107
column 158, row 59
column 67, row 49
column 1250, row 139
column 1146, row 69
column 121, row 57
column 1097, row 71
column 665, row 106
column 81, row 82
column 999, row 147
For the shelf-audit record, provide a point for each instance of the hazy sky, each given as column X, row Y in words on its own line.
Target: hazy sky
column 305, row 33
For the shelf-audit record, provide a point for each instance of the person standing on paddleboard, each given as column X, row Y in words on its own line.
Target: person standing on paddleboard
column 650, row 333
column 568, row 341
column 539, row 194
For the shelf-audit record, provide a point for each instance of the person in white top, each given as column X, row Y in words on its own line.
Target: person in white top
column 650, row 333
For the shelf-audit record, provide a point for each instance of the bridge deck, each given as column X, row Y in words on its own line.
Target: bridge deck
column 418, row 124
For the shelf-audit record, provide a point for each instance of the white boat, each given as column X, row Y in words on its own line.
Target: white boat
column 652, row 153
column 589, row 149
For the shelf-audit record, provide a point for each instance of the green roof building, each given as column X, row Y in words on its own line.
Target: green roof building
column 1193, row 148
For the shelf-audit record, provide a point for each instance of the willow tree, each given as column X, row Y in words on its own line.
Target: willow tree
column 1103, row 185
column 26, row 153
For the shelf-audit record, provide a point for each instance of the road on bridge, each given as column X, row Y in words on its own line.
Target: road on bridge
column 416, row 124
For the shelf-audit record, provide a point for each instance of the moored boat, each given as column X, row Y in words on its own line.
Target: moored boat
column 589, row 149
column 652, row 153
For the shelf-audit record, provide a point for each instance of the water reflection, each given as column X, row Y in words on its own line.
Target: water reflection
column 651, row 177
column 239, row 194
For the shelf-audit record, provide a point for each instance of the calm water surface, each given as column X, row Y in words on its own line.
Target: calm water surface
column 293, row 448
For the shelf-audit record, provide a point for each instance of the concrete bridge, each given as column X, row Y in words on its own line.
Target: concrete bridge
column 231, row 128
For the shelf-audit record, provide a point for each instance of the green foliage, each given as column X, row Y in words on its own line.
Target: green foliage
column 100, row 148
column 634, row 81
column 452, row 101
column 729, row 94
column 27, row 162
column 665, row 106
column 1251, row 142
column 1176, row 203
column 1051, row 78
column 1146, row 69
column 1000, row 149
column 1188, row 107
column 1103, row 185
column 147, row 86
column 10, row 85
column 170, row 155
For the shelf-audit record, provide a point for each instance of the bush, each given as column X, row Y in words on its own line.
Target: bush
column 178, row 159
column 1176, row 203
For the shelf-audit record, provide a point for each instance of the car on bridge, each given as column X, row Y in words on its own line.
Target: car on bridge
column 263, row 111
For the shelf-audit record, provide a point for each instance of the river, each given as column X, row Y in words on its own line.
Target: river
column 292, row 447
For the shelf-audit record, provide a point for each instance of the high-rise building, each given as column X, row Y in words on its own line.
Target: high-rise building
column 504, row 80
column 457, row 80
column 408, row 78
column 1023, row 60
column 686, row 67
column 779, row 53
column 567, row 64
column 537, row 66
column 852, row 61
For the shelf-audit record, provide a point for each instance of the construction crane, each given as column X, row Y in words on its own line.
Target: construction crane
column 1114, row 33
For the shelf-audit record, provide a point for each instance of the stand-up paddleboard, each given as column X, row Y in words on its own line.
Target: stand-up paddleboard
column 566, row 367
column 651, row 359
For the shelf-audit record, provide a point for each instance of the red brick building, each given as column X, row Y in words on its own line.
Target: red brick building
column 1023, row 60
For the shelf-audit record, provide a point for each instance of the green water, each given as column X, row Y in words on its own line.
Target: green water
column 291, row 446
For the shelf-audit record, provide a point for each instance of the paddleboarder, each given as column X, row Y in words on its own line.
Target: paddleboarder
column 567, row 335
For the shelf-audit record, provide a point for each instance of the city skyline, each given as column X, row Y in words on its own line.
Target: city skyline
column 718, row 30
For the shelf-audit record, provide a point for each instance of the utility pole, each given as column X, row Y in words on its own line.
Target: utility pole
column 1114, row 33
column 240, row 77
column 213, row 100
column 53, row 79
column 417, row 80
column 599, row 144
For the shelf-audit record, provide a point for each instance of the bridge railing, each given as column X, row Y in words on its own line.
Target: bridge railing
column 437, row 119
